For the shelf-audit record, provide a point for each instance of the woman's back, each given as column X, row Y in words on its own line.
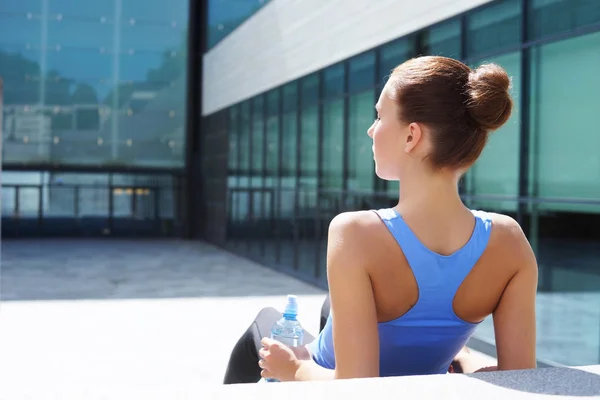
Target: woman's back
column 428, row 304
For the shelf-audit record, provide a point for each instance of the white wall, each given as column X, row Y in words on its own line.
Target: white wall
column 287, row 39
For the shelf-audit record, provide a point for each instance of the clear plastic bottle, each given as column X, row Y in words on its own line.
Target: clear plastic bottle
column 288, row 330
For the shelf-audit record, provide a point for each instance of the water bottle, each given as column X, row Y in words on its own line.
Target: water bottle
column 288, row 330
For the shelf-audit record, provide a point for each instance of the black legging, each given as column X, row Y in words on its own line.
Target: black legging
column 243, row 362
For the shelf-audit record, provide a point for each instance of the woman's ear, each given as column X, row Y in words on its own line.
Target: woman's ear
column 413, row 138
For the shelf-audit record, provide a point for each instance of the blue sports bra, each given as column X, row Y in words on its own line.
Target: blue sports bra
column 426, row 338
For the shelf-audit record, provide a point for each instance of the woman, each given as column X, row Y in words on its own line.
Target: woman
column 409, row 285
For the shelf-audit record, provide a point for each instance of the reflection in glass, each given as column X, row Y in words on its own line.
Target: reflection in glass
column 496, row 172
column 557, row 16
column 362, row 72
column 94, row 84
column 233, row 174
column 224, row 16
column 494, row 28
column 272, row 181
column 53, row 203
column 257, row 146
column 443, row 40
column 392, row 55
column 307, row 187
column 333, row 144
column 361, row 174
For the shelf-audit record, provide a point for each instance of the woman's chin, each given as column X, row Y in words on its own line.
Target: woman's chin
column 385, row 175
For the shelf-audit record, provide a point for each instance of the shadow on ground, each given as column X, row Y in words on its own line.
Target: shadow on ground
column 129, row 269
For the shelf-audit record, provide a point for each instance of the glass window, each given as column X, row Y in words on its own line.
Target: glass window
column 147, row 10
column 442, row 40
column 564, row 173
column 310, row 130
column 547, row 17
column 310, row 90
column 21, row 6
column 564, row 108
column 289, row 135
column 494, row 28
column 233, row 137
column 70, row 30
column 272, row 161
column 308, row 147
column 496, row 172
column 333, row 144
column 307, row 186
column 306, row 199
column 241, row 199
column 362, row 72
column 361, row 114
column 258, row 137
column 244, row 132
column 287, row 198
column 233, row 160
column 226, row 15
column 271, row 177
column 257, row 156
column 333, row 84
column 393, row 54
column 109, row 87
column 333, row 127
column 361, row 165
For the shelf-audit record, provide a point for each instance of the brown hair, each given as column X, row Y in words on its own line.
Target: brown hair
column 460, row 105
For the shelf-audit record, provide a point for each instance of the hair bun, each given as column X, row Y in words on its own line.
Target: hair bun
column 489, row 104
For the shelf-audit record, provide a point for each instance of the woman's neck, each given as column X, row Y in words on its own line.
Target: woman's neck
column 430, row 193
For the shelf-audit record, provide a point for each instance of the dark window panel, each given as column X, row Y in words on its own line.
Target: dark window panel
column 494, row 28
column 362, row 72
column 334, row 81
column 547, row 17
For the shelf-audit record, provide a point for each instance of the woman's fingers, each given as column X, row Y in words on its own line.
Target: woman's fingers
column 266, row 374
column 262, row 353
column 266, row 342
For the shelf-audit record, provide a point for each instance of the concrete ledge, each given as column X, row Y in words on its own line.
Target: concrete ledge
column 542, row 383
column 580, row 382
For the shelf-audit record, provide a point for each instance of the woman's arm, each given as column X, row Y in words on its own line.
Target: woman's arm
column 354, row 314
column 308, row 370
column 514, row 317
column 355, row 335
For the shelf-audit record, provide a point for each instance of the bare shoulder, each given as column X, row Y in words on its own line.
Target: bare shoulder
column 510, row 241
column 354, row 220
column 353, row 232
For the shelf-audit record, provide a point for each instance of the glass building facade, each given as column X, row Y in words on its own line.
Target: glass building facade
column 94, row 83
column 299, row 153
column 224, row 16
column 91, row 87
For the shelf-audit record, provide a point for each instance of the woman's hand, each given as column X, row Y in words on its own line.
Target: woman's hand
column 278, row 361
